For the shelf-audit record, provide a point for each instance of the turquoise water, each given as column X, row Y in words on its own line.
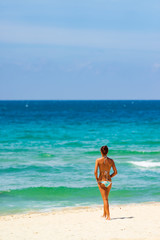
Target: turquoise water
column 48, row 151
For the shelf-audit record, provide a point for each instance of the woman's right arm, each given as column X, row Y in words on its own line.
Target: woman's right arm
column 96, row 170
column 114, row 170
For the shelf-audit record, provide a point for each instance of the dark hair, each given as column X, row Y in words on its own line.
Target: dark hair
column 104, row 149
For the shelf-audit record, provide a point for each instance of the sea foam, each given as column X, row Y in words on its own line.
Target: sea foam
column 146, row 164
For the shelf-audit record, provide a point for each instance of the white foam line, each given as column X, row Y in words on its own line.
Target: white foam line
column 146, row 164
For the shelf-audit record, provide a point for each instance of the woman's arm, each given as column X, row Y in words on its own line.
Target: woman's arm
column 114, row 169
column 96, row 170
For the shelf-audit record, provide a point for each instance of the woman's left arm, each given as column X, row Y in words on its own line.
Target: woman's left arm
column 96, row 170
column 114, row 169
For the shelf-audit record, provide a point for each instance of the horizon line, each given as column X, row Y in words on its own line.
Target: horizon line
column 79, row 99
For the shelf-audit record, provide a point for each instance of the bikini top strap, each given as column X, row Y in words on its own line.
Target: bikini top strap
column 104, row 159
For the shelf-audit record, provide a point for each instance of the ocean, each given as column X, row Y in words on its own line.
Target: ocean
column 48, row 151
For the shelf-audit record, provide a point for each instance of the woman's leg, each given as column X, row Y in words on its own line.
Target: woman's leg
column 105, row 193
column 101, row 189
column 106, row 204
column 107, row 190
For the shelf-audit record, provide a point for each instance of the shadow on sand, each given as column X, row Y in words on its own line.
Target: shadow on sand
column 122, row 218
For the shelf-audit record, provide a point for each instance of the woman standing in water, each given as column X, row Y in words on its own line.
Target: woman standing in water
column 104, row 180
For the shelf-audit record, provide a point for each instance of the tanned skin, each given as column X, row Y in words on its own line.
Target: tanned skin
column 104, row 164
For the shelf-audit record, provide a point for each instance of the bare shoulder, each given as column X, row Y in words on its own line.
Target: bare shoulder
column 98, row 159
column 111, row 161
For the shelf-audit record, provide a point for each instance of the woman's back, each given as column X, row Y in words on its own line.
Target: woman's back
column 105, row 165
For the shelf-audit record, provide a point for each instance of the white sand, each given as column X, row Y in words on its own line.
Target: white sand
column 134, row 221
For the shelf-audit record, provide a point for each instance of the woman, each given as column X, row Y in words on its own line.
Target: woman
column 104, row 180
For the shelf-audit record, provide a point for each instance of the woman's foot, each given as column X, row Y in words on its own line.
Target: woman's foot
column 108, row 218
column 103, row 215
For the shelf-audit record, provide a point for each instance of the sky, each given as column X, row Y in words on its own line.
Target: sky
column 79, row 50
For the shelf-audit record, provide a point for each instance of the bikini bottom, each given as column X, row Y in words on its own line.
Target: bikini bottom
column 106, row 183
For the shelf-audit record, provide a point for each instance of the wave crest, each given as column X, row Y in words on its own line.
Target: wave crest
column 146, row 164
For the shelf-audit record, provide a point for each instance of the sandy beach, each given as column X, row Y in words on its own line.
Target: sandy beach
column 132, row 221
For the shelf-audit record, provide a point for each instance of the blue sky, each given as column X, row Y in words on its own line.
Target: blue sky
column 80, row 49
